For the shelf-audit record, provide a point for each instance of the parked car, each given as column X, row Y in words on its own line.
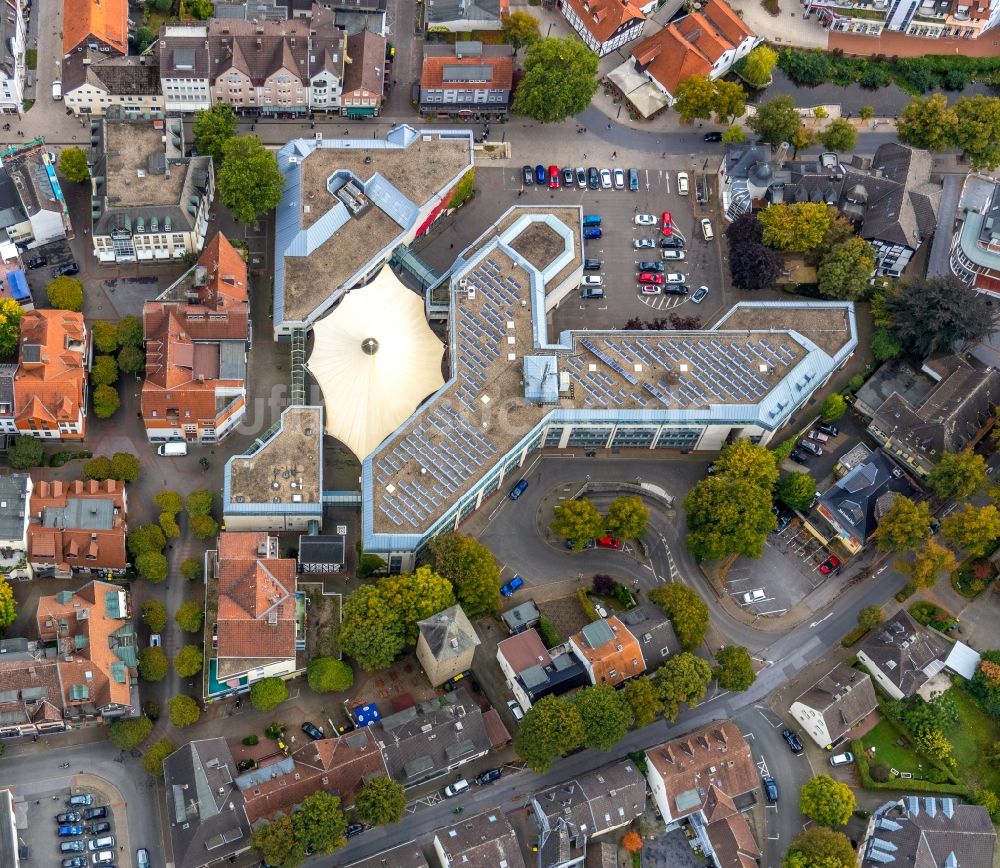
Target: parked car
column 672, row 254
column 591, row 233
column 712, row 137
column 619, row 176
column 155, row 640
column 103, row 857
column 606, row 182
column 567, row 176
column 792, row 738
column 313, row 731
column 633, row 180
column 682, row 183
column 809, row 446
column 650, row 266
column 667, row 223
column 466, row 677
column 645, row 220
column 829, row 565
column 798, row 456
column 592, row 292
column 488, row 776
column 37, row 262
column 784, row 518
column 99, row 828
column 82, row 799
column 770, row 790
column 828, row 428
column 354, row 829
column 593, row 178
column 842, row 759
column 643, row 243
column 456, row 789
column 539, row 174
column 553, row 177
column 700, row 294
column 518, row 489
column 65, row 268
column 649, row 289
column 75, row 862
column 675, row 289
column 674, row 242
column 105, row 843
column 818, row 436
column 609, row 542
column 98, row 813
column 527, row 176
column 508, row 589
column 650, row 277
column 593, row 264
column 581, row 177
column 79, row 846
column 589, row 544
column 754, row 596
column 706, row 229
column 515, row 709
column 674, row 277
column 142, row 858
column 68, row 817
column 591, row 220
column 592, row 280
column 73, row 830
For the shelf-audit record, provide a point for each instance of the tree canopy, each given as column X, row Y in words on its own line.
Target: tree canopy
column 65, row 293
column 644, row 699
column 606, row 716
column 129, row 734
column 105, row 336
column 153, row 664
column 73, row 165
column 627, row 517
column 846, row 270
column 687, row 611
column 188, row 661
column 928, row 122
column 958, row 475
column 329, row 675
column 683, row 678
column 152, row 759
column 25, row 453
column 747, row 460
column 145, row 538
column 104, row 371
column 757, row 66
column 267, row 693
column 776, row 120
column 974, row 529
column 734, row 669
column 472, row 570
column 381, row 801
column 183, row 711
column 131, row 360
column 551, row 728
column 560, row 77
column 930, row 315
column 519, row 29
column 8, row 605
column 904, row 525
column 130, row 332
column 212, row 128
column 927, row 564
column 319, row 823
column 249, row 182
column 977, row 130
column 820, row 847
column 278, row 844
column 797, row 490
column 753, row 266
column 840, row 135
column 189, row 616
column 152, row 566
column 10, row 325
column 826, row 801
column 726, row 516
column 578, row 520
column 795, row 228
column 833, row 407
column 106, row 401
column 154, row 615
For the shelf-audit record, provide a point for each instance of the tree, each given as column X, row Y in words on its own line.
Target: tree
column 904, row 525
column 200, row 502
column 695, row 98
column 928, row 122
column 977, row 130
column 683, row 678
column 27, row 452
column 319, row 823
column 73, row 165
column 754, row 266
column 129, row 734
column 168, row 523
column 183, row 711
column 687, row 611
column 381, row 801
column 189, row 616
column 727, row 516
column 627, row 517
column 796, row 228
column 169, row 501
column 203, row 526
column 8, row 605
column 802, row 138
column 472, row 570
column 329, row 675
column 605, row 714
column 192, row 569
column 734, row 134
column 106, row 402
column 866, row 112
column 729, row 102
column 632, row 841
column 931, row 742
column 885, row 345
column 152, row 566
column 551, row 728
column 839, row 231
column 267, row 693
column 65, row 293
column 758, row 65
column 105, row 336
column 958, row 475
column 98, row 468
column 124, row 466
column 745, row 229
column 152, row 759
column 735, row 668
column 152, row 664
column 797, row 490
column 560, row 77
column 988, row 799
column 104, row 371
column 199, row 9
column 839, row 136
column 131, row 360
column 188, row 661
column 776, row 120
column 278, row 844
column 577, row 520
column 807, row 67
column 130, row 332
column 929, row 561
column 145, row 538
column 369, row 632
column 846, row 270
column 643, row 698
column 249, row 182
column 520, row 29
column 833, row 407
column 826, row 801
column 213, row 128
column 870, row 617
column 747, row 460
column 820, row 847
column 154, row 616
column 10, row 325
column 144, row 37
column 973, row 529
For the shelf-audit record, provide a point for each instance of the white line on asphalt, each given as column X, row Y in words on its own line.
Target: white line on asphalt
column 821, row 620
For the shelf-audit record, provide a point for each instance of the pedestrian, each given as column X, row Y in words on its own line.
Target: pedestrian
column 585, row 156
column 609, row 126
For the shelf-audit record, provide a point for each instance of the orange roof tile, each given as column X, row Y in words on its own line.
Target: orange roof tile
column 102, row 548
column 49, row 383
column 603, row 17
column 105, row 19
column 726, row 21
column 622, row 655
column 503, row 71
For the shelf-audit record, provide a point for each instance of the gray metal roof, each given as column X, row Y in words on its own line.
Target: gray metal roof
column 598, row 633
column 13, row 505
column 81, row 513
column 541, row 379
column 232, row 360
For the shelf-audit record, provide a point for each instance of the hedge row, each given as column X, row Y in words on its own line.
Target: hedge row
column 899, row 784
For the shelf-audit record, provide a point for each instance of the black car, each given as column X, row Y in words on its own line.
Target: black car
column 784, row 518
column 312, row 731
column 798, row 456
column 589, row 544
column 75, row 862
column 567, row 174
column 98, row 813
column 354, row 829
column 37, row 262
column 650, row 266
column 675, row 289
column 770, row 789
column 528, row 176
column 712, row 137
column 792, row 737
column 593, row 264
column 79, row 846
column 488, row 776
column 68, row 817
column 828, row 428
column 98, row 828
column 65, row 268
column 593, row 178
column 710, row 470
column 672, row 242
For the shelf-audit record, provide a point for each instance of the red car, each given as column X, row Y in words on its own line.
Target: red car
column 609, row 542
column 650, row 277
column 829, row 565
column 667, row 224
column 553, row 177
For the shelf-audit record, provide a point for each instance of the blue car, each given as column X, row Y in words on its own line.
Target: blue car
column 540, row 174
column 511, row 586
column 518, row 489
column 70, row 831
column 594, row 232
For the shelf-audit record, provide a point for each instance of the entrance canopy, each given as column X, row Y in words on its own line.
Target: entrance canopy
column 376, row 360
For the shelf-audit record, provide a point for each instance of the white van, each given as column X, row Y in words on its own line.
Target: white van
column 706, row 229
column 57, row 89
column 456, row 789
column 173, row 448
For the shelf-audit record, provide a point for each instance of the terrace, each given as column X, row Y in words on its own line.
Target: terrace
column 137, row 172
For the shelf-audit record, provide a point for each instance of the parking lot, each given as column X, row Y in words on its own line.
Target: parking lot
column 39, row 834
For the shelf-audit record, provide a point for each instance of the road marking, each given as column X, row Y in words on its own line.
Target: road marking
column 821, row 620
column 749, row 735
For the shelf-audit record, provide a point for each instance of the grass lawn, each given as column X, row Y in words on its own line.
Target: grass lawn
column 883, row 738
column 973, row 737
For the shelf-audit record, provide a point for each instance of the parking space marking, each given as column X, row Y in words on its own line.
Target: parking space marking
column 762, row 767
column 768, row 716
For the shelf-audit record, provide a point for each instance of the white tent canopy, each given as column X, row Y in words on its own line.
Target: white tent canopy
column 376, row 359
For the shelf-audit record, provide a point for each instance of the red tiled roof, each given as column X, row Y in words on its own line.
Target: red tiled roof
column 524, row 650
column 105, row 19
column 496, row 732
column 603, row 17
column 51, row 388
column 67, row 546
column 726, row 21
column 621, row 655
column 503, row 71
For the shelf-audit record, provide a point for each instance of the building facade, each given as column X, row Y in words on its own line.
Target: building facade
column 446, row 644
column 98, row 84
column 15, row 497
column 468, row 81
column 975, row 247
column 606, row 25
column 929, row 19
column 33, row 208
column 834, row 705
column 12, row 66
